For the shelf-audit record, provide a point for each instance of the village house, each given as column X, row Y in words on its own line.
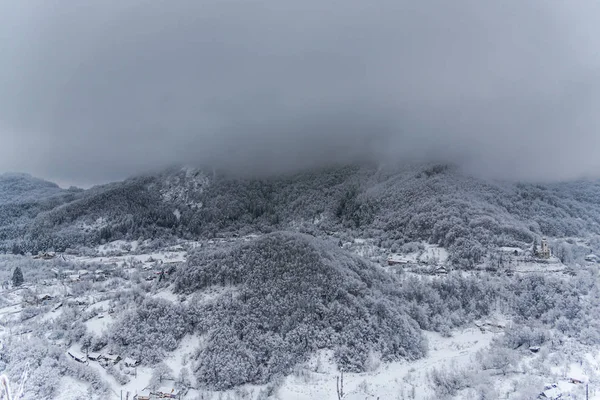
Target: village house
column 112, row 358
column 553, row 393
column 77, row 356
column 167, row 393
column 142, row 396
column 44, row 298
column 441, row 270
column 396, row 259
column 45, row 256
column 577, row 379
column 94, row 356
column 592, row 258
column 130, row 362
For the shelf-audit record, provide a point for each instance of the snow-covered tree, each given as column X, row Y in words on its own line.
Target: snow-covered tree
column 17, row 277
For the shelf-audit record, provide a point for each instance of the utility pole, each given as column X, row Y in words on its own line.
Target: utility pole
column 587, row 393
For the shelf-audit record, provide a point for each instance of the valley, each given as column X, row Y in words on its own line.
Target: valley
column 82, row 294
column 405, row 299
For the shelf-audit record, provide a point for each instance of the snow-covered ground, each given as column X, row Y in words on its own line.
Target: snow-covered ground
column 389, row 381
column 72, row 389
column 99, row 324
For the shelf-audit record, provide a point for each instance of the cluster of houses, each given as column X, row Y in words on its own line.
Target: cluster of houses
column 104, row 359
column 554, row 391
column 396, row 260
column 113, row 359
column 71, row 275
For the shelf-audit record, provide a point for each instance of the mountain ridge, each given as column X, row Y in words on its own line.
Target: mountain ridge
column 435, row 203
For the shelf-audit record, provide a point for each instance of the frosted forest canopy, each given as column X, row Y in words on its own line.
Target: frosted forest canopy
column 470, row 217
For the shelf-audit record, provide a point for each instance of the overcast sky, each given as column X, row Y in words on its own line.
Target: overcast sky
column 92, row 91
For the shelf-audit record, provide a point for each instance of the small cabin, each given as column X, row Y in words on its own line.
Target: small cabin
column 94, row 356
column 142, row 396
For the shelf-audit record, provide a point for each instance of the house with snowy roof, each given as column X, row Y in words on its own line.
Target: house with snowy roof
column 130, row 362
column 167, row 393
column 77, row 356
column 396, row 259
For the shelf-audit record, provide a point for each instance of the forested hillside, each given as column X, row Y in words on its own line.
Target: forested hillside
column 293, row 294
column 22, row 199
column 22, row 188
column 438, row 204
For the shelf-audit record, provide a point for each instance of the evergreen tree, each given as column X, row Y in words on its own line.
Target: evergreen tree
column 17, row 277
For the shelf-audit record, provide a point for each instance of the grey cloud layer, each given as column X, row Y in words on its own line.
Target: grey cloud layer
column 103, row 89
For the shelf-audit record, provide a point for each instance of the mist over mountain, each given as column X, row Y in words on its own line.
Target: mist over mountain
column 99, row 93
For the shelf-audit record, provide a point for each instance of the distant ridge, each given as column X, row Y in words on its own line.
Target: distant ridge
column 434, row 203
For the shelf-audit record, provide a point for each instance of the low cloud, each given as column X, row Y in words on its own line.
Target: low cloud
column 102, row 90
